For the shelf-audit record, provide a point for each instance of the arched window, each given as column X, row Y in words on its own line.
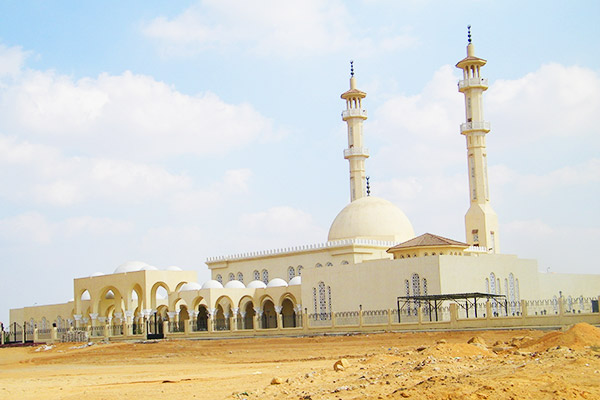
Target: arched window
column 240, row 277
column 517, row 294
column 487, row 285
column 231, row 276
column 300, row 268
column 329, row 297
column 511, row 287
column 265, row 276
column 256, row 275
column 344, row 262
column 425, row 286
column 329, row 264
column 291, row 273
column 407, row 287
column 220, row 279
column 319, row 265
column 315, row 299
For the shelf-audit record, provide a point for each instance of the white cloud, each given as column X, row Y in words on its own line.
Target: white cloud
column 555, row 100
column 13, row 59
column 35, row 227
column 269, row 27
column 278, row 227
column 132, row 116
column 40, row 173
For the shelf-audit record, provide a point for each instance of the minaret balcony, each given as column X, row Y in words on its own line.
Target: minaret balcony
column 354, row 112
column 473, row 83
column 474, row 126
column 356, row 151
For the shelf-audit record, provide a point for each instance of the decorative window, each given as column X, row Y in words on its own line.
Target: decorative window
column 219, row 279
column 256, row 275
column 329, row 264
column 231, row 276
column 265, row 276
column 322, row 299
column 407, row 287
column 487, row 285
column 425, row 286
column 517, row 294
column 291, row 273
column 240, row 277
column 511, row 287
column 416, row 285
column 345, row 262
column 319, row 265
column 315, row 299
column 329, row 297
column 300, row 268
column 493, row 283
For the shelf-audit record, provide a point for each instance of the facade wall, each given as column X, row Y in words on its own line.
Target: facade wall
column 574, row 285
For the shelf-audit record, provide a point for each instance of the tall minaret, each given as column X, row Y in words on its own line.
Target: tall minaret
column 356, row 154
column 481, row 222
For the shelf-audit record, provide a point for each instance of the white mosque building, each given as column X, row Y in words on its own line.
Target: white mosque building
column 371, row 257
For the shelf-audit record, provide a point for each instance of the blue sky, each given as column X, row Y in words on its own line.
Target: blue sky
column 169, row 132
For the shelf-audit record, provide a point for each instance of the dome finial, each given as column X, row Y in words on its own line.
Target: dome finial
column 469, row 33
column 352, row 68
column 368, row 186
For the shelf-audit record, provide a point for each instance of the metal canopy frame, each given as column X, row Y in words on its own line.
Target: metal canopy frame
column 464, row 300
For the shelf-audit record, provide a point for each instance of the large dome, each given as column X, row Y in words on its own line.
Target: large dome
column 371, row 218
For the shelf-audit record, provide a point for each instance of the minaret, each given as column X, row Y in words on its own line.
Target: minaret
column 356, row 154
column 481, row 222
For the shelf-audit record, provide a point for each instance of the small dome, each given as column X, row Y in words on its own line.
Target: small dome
column 173, row 268
column 371, row 218
column 96, row 274
column 297, row 280
column 234, row 285
column 190, row 286
column 212, row 284
column 148, row 268
column 277, row 282
column 257, row 285
column 130, row 266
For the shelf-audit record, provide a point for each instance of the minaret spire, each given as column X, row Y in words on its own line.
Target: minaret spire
column 481, row 222
column 356, row 154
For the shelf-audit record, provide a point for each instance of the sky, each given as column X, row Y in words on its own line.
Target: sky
column 169, row 132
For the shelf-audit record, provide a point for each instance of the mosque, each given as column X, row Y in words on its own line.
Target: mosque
column 371, row 257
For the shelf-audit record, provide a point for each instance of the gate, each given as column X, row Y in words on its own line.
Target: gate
column 18, row 333
column 154, row 328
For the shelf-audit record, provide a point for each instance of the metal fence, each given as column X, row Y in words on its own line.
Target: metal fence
column 45, row 334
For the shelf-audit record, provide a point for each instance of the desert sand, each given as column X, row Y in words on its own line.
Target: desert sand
column 503, row 364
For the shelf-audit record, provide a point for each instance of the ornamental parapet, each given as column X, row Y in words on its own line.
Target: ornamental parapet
column 472, row 82
column 306, row 248
column 354, row 112
column 356, row 151
column 475, row 126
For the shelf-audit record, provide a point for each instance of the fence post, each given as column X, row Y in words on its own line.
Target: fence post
column 2, row 333
column 332, row 316
column 419, row 315
column 488, row 309
column 453, row 315
column 24, row 332
column 165, row 328
column 35, row 335
column 54, row 334
column 360, row 317
column 106, row 331
column 523, row 308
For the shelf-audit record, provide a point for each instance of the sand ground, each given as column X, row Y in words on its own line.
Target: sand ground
column 515, row 364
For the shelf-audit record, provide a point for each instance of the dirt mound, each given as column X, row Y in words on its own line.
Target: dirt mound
column 577, row 337
column 456, row 350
